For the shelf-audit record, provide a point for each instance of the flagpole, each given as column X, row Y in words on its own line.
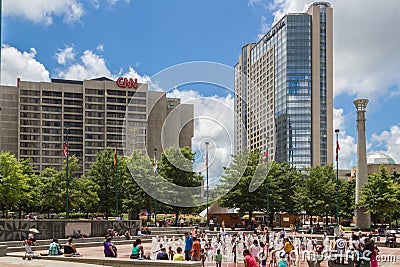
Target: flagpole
column 337, row 176
column 66, row 175
column 267, row 187
column 116, row 181
column 155, row 187
column 207, row 143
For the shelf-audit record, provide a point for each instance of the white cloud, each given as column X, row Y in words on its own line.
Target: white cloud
column 264, row 28
column 16, row 64
column 113, row 2
column 64, row 55
column 43, row 11
column 390, row 141
column 338, row 119
column 347, row 143
column 253, row 3
column 214, row 118
column 366, row 58
column 132, row 73
column 348, row 151
column 95, row 3
column 100, row 48
column 92, row 66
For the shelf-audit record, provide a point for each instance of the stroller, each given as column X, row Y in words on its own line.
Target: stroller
column 29, row 253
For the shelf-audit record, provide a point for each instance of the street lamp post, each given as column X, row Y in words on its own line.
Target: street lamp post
column 66, row 154
column 207, row 143
column 337, row 176
column 155, row 186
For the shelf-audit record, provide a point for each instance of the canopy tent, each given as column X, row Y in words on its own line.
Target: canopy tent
column 215, row 209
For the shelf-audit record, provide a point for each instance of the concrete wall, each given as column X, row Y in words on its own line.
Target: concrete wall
column 14, row 230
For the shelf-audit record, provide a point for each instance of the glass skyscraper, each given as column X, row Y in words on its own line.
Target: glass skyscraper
column 283, row 90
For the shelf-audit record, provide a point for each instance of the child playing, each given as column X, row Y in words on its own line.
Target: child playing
column 171, row 253
column 218, row 258
column 282, row 260
column 203, row 256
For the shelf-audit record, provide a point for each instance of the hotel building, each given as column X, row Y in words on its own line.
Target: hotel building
column 96, row 114
column 283, row 90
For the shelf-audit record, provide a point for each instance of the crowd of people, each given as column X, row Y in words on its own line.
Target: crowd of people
column 358, row 248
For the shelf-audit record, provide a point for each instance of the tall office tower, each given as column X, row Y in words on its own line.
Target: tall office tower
column 284, row 90
column 97, row 114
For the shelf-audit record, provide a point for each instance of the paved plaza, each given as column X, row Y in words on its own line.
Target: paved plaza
column 393, row 254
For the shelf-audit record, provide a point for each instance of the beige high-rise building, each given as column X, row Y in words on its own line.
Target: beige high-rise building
column 97, row 114
column 284, row 90
column 9, row 119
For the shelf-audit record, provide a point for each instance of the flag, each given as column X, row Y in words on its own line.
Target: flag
column 207, row 160
column 266, row 155
column 115, row 157
column 65, row 149
column 337, row 150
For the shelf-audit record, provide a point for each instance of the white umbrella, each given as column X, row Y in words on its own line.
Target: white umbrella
column 33, row 230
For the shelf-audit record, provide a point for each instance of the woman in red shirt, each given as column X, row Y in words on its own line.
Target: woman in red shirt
column 249, row 260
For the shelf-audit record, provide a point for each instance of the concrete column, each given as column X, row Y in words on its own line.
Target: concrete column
column 362, row 219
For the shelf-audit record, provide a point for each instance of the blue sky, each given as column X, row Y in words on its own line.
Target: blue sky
column 78, row 39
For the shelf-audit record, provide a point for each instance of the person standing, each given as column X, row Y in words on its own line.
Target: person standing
column 340, row 247
column 255, row 250
column 188, row 246
column 283, row 234
column 374, row 262
column 196, row 249
column 218, row 258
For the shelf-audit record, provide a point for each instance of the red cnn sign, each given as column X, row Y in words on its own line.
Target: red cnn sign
column 125, row 82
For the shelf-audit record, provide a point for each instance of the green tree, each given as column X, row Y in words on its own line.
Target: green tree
column 176, row 166
column 14, row 186
column 31, row 191
column 53, row 187
column 102, row 173
column 83, row 195
column 51, row 197
column 282, row 182
column 316, row 191
column 346, row 198
column 238, row 179
column 381, row 194
column 138, row 168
